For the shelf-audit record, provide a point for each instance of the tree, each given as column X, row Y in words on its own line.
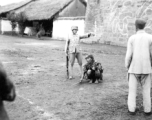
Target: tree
column 11, row 16
column 21, row 20
column 17, row 18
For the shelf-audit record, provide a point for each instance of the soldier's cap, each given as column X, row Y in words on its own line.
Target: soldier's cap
column 90, row 56
column 74, row 28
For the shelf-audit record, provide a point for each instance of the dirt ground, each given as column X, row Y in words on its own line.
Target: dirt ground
column 37, row 68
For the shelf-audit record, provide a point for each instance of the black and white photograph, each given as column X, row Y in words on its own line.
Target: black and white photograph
column 75, row 59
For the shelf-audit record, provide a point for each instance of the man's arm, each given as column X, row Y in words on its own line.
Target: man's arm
column 129, row 53
column 86, row 36
column 84, row 70
column 151, row 52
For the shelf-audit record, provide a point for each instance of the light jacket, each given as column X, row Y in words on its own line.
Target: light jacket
column 74, row 43
column 139, row 55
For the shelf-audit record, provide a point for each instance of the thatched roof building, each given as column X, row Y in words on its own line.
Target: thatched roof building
column 43, row 9
column 14, row 6
column 56, row 16
column 40, row 9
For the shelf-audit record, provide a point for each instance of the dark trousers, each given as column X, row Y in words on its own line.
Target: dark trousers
column 94, row 75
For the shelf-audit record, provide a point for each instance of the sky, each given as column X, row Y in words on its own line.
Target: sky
column 5, row 2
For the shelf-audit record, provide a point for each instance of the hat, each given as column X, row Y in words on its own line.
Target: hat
column 90, row 56
column 74, row 28
column 140, row 23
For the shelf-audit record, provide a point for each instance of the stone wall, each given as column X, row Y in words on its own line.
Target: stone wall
column 113, row 20
column 0, row 27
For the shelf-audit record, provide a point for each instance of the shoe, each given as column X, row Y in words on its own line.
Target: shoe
column 147, row 113
column 90, row 81
column 99, row 81
column 71, row 77
column 132, row 113
column 81, row 80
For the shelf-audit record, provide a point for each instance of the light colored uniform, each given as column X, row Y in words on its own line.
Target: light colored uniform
column 138, row 62
column 74, row 46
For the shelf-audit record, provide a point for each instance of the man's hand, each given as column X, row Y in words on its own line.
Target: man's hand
column 91, row 34
column 127, row 68
column 67, row 52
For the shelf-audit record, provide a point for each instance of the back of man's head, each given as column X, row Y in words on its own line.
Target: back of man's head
column 140, row 24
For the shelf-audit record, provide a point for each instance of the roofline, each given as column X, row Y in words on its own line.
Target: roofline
column 53, row 16
column 18, row 7
column 83, row 2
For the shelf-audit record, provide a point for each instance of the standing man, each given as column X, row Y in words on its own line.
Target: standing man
column 74, row 47
column 138, row 63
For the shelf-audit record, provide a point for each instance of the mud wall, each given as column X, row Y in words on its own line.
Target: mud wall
column 113, row 20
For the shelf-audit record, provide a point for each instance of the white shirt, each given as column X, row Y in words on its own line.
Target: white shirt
column 138, row 56
column 74, row 45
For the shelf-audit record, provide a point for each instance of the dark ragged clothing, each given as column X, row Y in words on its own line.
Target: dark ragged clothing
column 92, row 66
column 96, row 70
column 141, row 78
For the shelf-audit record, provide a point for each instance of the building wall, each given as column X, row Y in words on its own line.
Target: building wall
column 113, row 20
column 6, row 26
column 62, row 28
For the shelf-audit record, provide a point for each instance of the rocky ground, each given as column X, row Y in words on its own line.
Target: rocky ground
column 37, row 68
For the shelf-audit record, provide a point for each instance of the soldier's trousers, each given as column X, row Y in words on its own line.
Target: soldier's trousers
column 146, row 90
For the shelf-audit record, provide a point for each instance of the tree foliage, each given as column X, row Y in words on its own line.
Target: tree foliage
column 17, row 18
column 11, row 16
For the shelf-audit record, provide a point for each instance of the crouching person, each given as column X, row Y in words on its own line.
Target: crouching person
column 92, row 70
column 7, row 92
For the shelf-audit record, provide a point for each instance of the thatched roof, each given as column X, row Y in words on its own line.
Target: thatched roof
column 10, row 7
column 44, row 9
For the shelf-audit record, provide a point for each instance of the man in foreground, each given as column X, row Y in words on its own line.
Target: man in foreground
column 138, row 63
column 7, row 92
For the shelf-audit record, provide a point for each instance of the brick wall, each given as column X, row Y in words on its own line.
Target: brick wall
column 113, row 20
